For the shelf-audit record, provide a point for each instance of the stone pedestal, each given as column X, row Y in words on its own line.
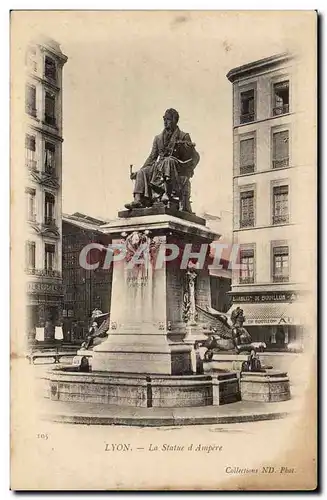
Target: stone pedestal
column 153, row 301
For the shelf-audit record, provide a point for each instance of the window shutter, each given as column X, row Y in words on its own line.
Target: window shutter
column 280, row 190
column 281, row 145
column 247, row 252
column 30, row 142
column 247, row 152
column 281, row 250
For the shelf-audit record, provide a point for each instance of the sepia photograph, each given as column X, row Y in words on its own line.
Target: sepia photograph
column 163, row 248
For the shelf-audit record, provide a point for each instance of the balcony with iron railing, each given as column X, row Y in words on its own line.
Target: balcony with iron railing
column 49, row 172
column 246, row 169
column 244, row 280
column 281, row 163
column 49, row 221
column 281, row 219
column 47, row 273
column 280, row 278
column 247, row 118
column 50, row 120
column 247, row 223
column 281, row 110
column 30, row 110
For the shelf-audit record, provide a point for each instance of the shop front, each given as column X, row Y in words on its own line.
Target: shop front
column 44, row 310
column 272, row 318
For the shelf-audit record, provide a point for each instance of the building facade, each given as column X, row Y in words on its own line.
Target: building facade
column 84, row 289
column 43, row 167
column 274, row 171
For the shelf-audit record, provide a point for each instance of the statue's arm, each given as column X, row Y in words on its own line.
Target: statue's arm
column 153, row 155
column 191, row 147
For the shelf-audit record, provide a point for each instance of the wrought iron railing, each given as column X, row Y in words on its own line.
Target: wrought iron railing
column 282, row 163
column 281, row 110
column 247, row 117
column 49, row 119
column 279, row 278
column 246, row 223
column 50, row 170
column 49, row 221
column 246, row 169
column 49, row 273
column 246, row 279
column 281, row 219
column 30, row 110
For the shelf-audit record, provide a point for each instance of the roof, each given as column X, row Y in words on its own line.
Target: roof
column 84, row 221
column 257, row 66
column 50, row 44
column 221, row 273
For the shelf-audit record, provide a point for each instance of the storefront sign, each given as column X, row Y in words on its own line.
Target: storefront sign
column 270, row 321
column 51, row 288
column 265, row 297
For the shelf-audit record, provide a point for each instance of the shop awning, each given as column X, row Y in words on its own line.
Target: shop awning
column 270, row 314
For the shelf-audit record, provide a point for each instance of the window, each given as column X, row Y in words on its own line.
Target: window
column 49, row 257
column 280, row 205
column 31, row 215
column 30, row 151
column 30, row 100
column 31, row 59
column 50, row 68
column 49, row 157
column 281, row 149
column 30, row 255
column 280, row 264
column 50, row 106
column 247, row 263
column 247, row 209
column 247, row 106
column 281, row 104
column 246, row 156
column 49, row 209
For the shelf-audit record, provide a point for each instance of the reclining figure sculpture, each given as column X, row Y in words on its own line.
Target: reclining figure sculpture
column 236, row 340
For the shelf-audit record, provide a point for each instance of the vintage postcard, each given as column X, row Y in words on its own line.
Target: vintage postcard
column 163, row 250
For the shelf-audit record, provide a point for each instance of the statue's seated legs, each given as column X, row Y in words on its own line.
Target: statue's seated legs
column 161, row 183
column 142, row 189
column 184, row 195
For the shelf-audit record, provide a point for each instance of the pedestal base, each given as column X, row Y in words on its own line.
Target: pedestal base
column 128, row 353
column 147, row 354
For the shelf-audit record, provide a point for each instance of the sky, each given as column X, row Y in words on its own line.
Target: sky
column 125, row 69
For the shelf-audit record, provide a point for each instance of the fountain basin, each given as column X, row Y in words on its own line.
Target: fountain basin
column 142, row 390
column 267, row 386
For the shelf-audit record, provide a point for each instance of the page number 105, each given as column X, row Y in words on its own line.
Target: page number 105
column 42, row 436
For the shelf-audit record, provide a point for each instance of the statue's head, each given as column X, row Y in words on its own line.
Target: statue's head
column 171, row 118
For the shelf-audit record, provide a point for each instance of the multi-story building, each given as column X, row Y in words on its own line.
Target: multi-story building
column 274, row 193
column 43, row 167
column 220, row 276
column 84, row 289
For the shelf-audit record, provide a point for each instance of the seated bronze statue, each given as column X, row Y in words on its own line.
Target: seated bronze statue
column 166, row 174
